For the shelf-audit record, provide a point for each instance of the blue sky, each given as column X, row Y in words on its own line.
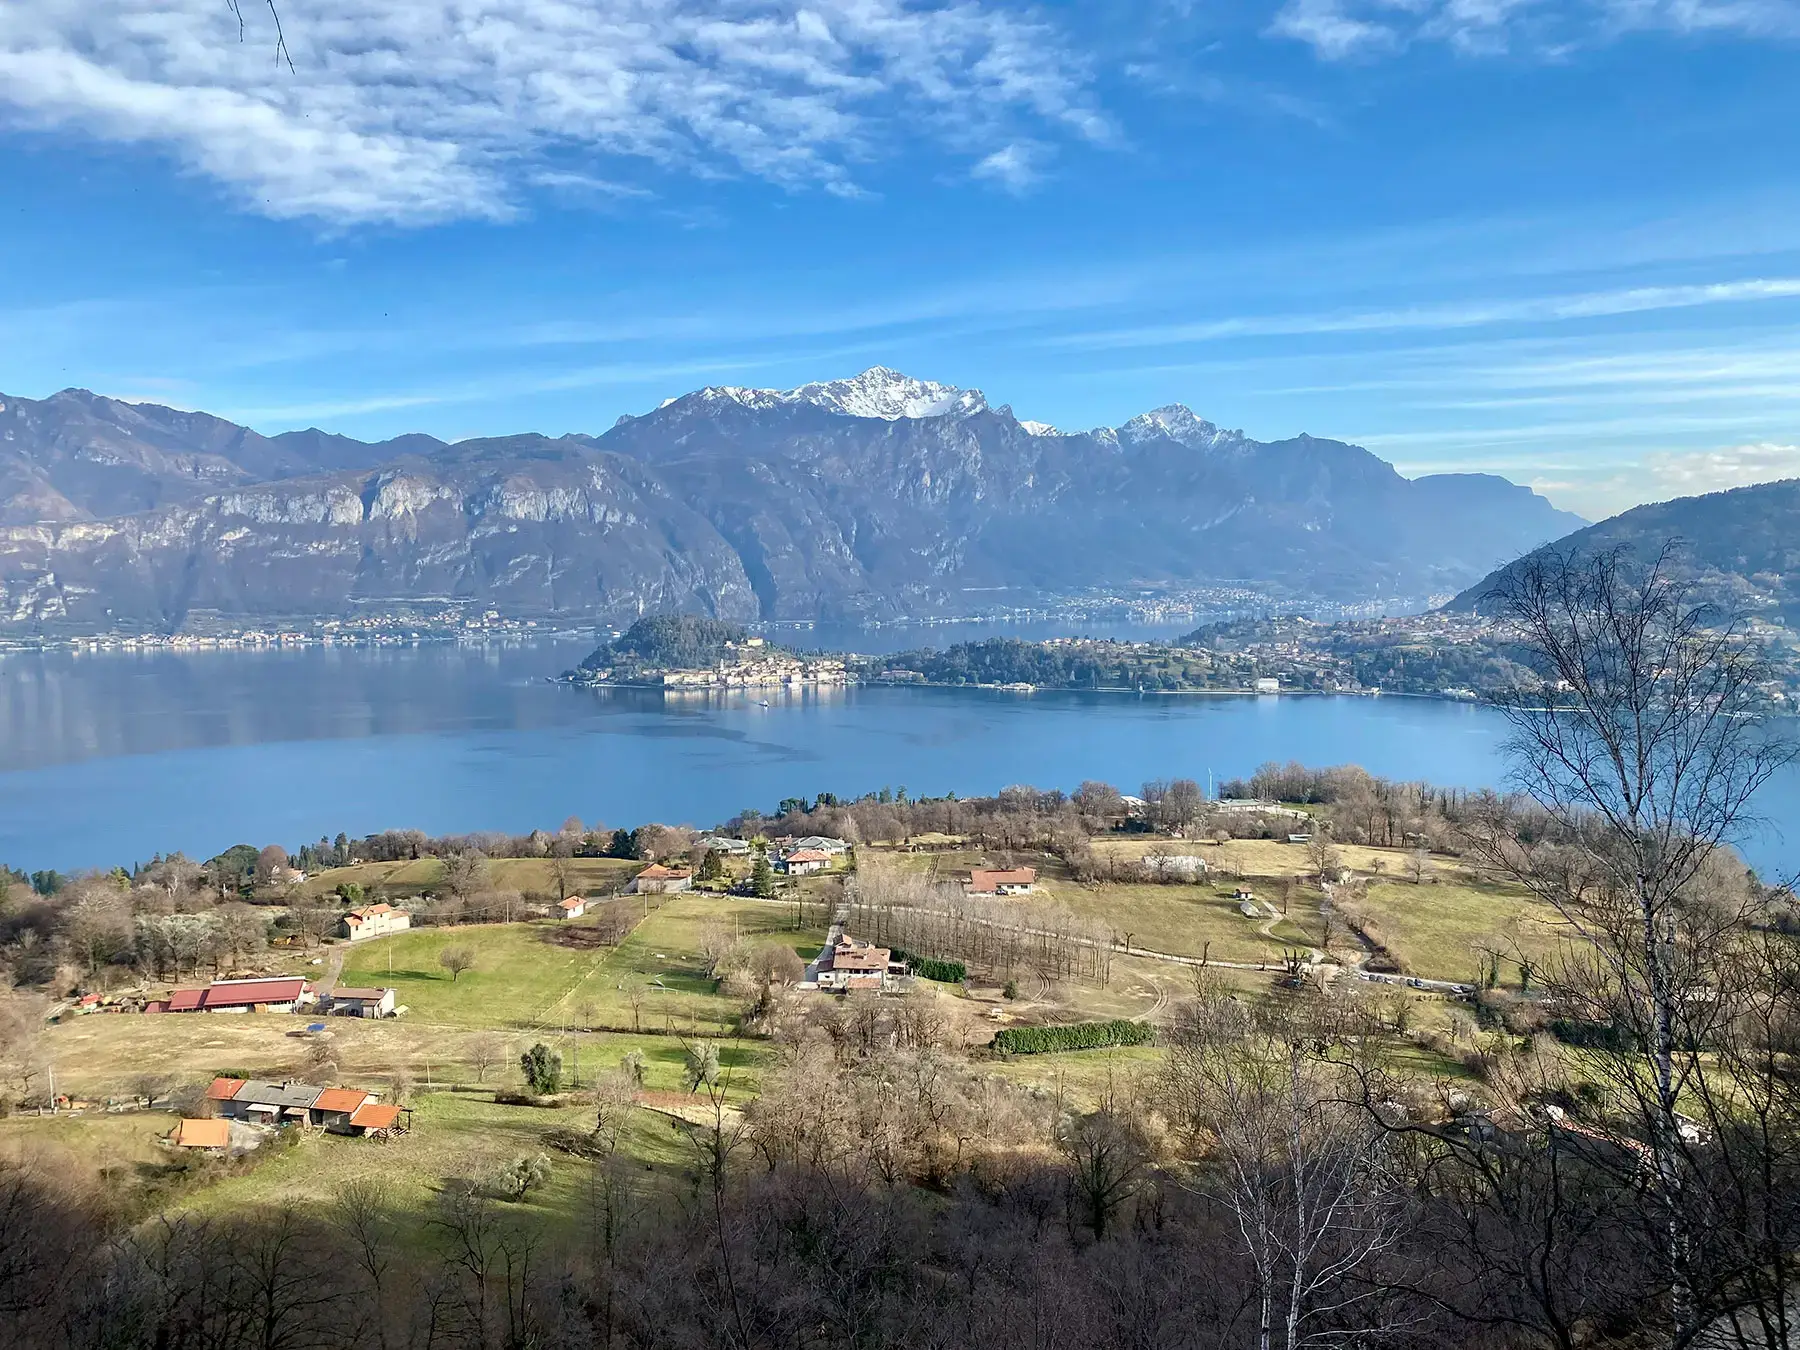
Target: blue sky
column 1555, row 239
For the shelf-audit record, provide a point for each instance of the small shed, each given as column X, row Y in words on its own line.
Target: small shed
column 207, row 1134
column 381, row 1122
column 572, row 908
column 363, row 1002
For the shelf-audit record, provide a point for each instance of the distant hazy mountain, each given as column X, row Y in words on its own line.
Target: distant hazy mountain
column 874, row 496
column 1742, row 547
column 78, row 456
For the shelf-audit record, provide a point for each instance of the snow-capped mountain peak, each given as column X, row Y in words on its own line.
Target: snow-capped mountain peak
column 1178, row 423
column 877, row 393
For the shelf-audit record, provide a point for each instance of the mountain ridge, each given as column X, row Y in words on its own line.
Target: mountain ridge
column 875, row 496
column 1733, row 546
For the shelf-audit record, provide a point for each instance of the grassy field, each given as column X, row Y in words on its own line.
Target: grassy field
column 1186, row 920
column 456, row 1137
column 1272, row 858
column 1081, row 1078
column 525, row 977
column 1438, row 930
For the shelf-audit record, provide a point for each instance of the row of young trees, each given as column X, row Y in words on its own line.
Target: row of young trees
column 895, row 907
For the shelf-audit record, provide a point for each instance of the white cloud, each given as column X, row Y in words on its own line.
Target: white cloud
column 1450, row 315
column 421, row 110
column 1665, row 474
column 1014, row 167
column 1338, row 30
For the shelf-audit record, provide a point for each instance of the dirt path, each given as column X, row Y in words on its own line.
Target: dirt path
column 334, row 969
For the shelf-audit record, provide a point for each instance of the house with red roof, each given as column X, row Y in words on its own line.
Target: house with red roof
column 1002, row 881
column 849, row 966
column 572, row 908
column 373, row 921
column 659, row 880
column 804, row 861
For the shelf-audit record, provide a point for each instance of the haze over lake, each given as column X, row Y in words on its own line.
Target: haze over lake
column 109, row 758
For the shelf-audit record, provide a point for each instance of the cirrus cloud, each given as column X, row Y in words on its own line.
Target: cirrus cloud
column 424, row 110
column 1340, row 29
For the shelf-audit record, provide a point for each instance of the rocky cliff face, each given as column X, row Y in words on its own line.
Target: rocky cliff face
column 880, row 495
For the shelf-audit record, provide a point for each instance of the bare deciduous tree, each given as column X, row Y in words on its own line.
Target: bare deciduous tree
column 456, row 960
column 1644, row 741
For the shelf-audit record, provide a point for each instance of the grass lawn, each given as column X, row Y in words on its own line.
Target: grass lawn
column 1436, row 930
column 93, row 1144
column 1081, row 1078
column 1273, row 858
column 1184, row 920
column 456, row 1137
column 523, row 979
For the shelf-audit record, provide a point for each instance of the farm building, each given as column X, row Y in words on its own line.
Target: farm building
column 340, row 1110
column 659, row 880
column 572, row 908
column 363, row 1002
column 1002, row 881
column 208, row 1134
column 263, row 1103
column 334, row 1108
column 373, row 921
column 288, row 993
column 374, row 1118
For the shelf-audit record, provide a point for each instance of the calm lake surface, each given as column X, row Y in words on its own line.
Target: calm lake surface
column 110, row 758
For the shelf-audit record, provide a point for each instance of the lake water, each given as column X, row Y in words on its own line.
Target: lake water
column 109, row 758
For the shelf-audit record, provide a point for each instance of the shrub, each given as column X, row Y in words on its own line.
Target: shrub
column 1076, row 1036
column 542, row 1068
column 931, row 968
column 521, row 1176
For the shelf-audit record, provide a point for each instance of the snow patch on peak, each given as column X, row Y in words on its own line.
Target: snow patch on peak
column 878, row 393
column 1178, row 423
column 1040, row 429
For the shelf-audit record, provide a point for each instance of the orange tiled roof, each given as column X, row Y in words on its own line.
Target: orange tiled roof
column 372, row 1116
column 202, row 1134
column 340, row 1099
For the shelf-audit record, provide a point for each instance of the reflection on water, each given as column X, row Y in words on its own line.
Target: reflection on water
column 109, row 758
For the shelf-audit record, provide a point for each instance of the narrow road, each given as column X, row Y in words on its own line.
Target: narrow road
column 327, row 983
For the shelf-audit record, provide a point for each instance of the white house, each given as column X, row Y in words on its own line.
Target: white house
column 373, row 921
column 1002, row 881
column 659, row 880
column 805, row 861
column 822, row 843
column 720, row 843
column 572, row 908
column 363, row 1002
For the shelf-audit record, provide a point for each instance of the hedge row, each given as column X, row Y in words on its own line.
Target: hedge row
column 929, row 967
column 1078, row 1036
